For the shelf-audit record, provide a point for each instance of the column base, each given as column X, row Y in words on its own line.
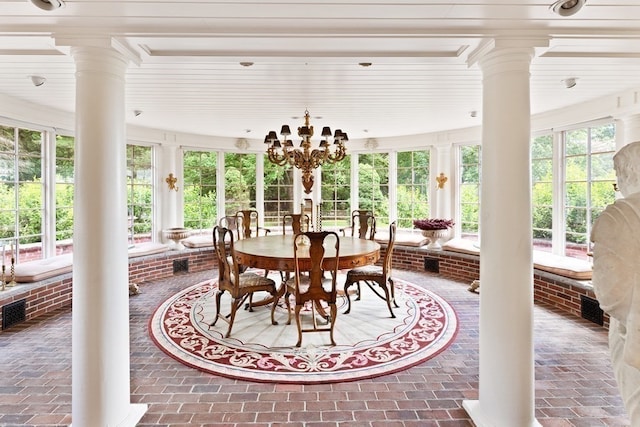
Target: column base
column 136, row 411
column 475, row 412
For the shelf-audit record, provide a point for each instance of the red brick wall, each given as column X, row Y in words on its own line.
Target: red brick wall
column 55, row 293
column 558, row 293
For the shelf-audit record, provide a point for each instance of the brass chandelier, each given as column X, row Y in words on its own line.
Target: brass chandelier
column 305, row 158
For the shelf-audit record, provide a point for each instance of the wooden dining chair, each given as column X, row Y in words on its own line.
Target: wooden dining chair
column 249, row 223
column 239, row 285
column 374, row 274
column 312, row 289
column 363, row 222
column 232, row 223
column 296, row 223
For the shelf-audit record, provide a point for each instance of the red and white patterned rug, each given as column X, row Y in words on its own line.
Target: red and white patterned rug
column 369, row 342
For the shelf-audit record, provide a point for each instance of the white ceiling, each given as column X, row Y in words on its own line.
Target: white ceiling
column 306, row 55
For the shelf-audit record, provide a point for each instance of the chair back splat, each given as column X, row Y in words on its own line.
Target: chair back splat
column 375, row 275
column 249, row 223
column 315, row 253
column 363, row 222
column 297, row 223
column 238, row 285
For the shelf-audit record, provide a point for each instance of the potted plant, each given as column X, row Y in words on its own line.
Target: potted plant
column 434, row 229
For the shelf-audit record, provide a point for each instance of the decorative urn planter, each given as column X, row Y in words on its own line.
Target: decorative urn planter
column 176, row 234
column 436, row 237
column 437, row 230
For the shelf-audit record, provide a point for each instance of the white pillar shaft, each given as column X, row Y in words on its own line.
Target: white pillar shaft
column 631, row 130
column 100, row 355
column 169, row 198
column 443, row 195
column 506, row 299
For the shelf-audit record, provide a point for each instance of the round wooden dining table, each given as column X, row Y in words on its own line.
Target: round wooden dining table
column 275, row 253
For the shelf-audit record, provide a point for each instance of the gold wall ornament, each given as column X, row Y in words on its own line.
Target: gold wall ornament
column 171, row 181
column 305, row 158
column 441, row 179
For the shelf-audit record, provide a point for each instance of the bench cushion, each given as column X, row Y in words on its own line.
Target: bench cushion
column 199, row 241
column 462, row 245
column 147, row 248
column 40, row 269
column 403, row 238
column 572, row 268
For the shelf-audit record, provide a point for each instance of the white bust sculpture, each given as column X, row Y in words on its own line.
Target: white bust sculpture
column 616, row 276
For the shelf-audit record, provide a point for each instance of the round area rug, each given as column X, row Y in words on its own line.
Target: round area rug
column 369, row 342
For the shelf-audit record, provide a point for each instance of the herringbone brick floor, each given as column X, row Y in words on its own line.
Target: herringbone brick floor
column 574, row 382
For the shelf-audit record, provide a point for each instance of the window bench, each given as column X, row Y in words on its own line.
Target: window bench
column 561, row 282
column 46, row 284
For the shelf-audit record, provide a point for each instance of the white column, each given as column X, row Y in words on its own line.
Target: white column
column 169, row 198
column 506, row 386
column 441, row 197
column 100, row 326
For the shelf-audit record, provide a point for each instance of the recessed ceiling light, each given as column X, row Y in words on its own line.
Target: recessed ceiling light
column 48, row 4
column 137, row 112
column 38, row 80
column 570, row 82
column 364, row 64
column 246, row 63
column 567, row 7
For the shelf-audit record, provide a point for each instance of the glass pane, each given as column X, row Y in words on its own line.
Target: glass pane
column 7, row 223
column 542, row 147
column 471, row 173
column 542, row 193
column 7, row 167
column 576, row 168
column 29, row 168
column 64, row 223
column 576, row 220
column 542, row 170
column 64, row 195
column 602, row 167
column 576, row 194
column 7, row 139
column 602, row 194
column 576, row 142
column 603, row 139
column 542, row 217
column 30, row 142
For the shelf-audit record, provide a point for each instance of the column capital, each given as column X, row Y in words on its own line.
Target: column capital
column 98, row 41
column 503, row 45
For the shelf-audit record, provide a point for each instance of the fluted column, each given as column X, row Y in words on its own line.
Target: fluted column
column 100, row 326
column 506, row 386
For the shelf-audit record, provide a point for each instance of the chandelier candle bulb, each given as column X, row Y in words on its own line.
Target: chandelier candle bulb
column 305, row 158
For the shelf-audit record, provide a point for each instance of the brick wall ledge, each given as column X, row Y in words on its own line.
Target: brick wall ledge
column 51, row 294
column 48, row 295
column 563, row 293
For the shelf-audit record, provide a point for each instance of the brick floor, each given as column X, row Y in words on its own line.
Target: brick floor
column 574, row 382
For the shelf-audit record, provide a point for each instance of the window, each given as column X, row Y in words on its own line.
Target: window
column 588, row 183
column 373, row 182
column 470, row 190
column 200, row 192
column 278, row 193
column 64, row 193
column 542, row 191
column 239, row 182
column 412, row 187
column 21, row 191
column 336, row 194
column 140, row 191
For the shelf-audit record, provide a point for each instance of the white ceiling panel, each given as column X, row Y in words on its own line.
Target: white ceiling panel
column 306, row 55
